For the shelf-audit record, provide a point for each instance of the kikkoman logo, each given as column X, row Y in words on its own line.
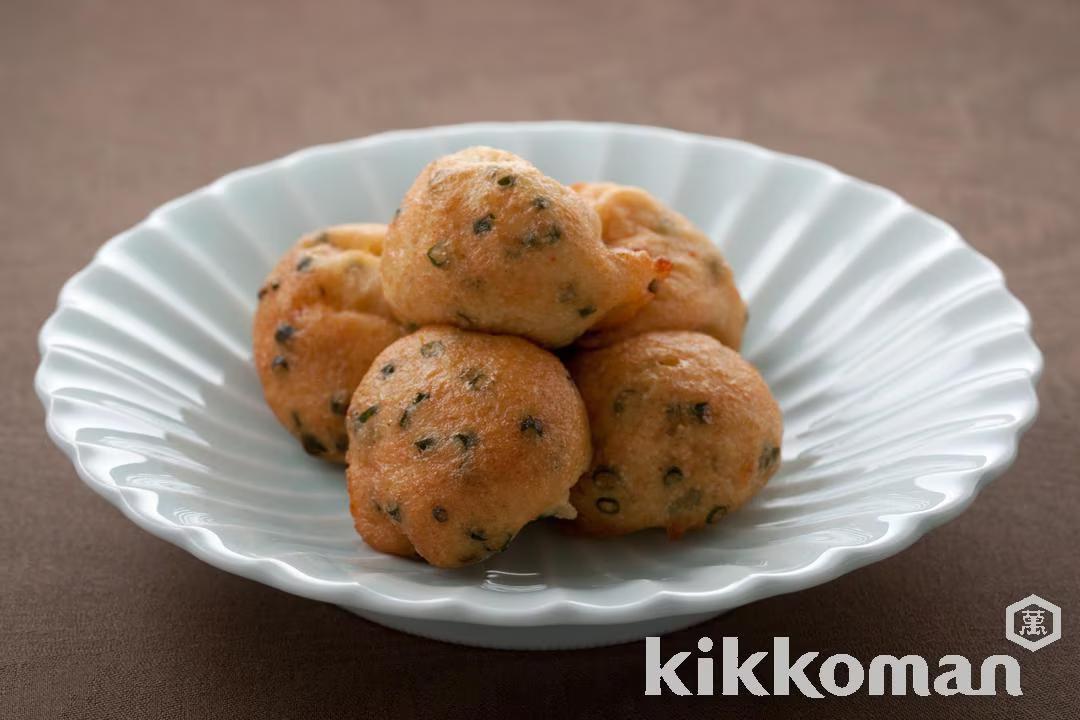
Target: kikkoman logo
column 1033, row 623
column 837, row 675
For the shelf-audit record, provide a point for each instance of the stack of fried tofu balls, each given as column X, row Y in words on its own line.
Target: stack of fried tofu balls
column 421, row 354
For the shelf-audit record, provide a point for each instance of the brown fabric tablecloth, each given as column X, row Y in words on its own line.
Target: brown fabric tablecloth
column 107, row 109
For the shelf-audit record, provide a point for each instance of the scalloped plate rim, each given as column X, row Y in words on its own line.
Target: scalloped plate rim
column 903, row 528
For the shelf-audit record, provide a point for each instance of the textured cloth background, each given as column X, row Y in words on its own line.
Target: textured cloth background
column 969, row 109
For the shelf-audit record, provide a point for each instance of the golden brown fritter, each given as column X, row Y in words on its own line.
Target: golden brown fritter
column 321, row 320
column 485, row 241
column 699, row 294
column 457, row 440
column 684, row 431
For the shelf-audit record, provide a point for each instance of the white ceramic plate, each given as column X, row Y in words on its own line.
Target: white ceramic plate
column 904, row 367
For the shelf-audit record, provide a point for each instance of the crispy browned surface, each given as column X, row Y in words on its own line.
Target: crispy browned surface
column 486, row 241
column 967, row 108
column 684, row 432
column 699, row 293
column 461, row 438
column 321, row 320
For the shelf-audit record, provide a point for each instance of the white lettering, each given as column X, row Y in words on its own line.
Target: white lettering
column 784, row 672
column 886, row 675
column 960, row 676
column 705, row 668
column 655, row 673
column 898, row 667
column 988, row 674
column 827, row 675
column 734, row 673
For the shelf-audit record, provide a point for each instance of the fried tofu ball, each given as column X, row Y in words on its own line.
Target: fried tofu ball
column 457, row 440
column 684, row 432
column 372, row 522
column 699, row 294
column 485, row 241
column 321, row 320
